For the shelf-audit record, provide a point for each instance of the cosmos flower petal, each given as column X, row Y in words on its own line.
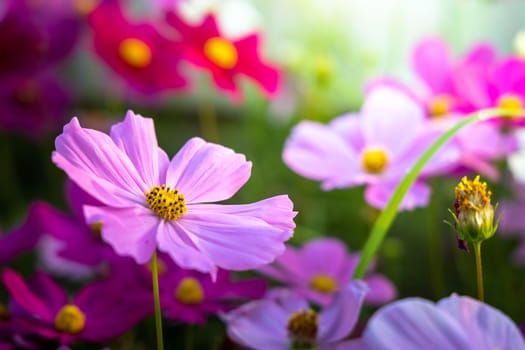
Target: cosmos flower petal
column 136, row 137
column 386, row 109
column 313, row 150
column 492, row 327
column 414, row 324
column 174, row 240
column 417, row 196
column 286, row 268
column 340, row 317
column 24, row 296
column 381, row 290
column 207, row 172
column 130, row 231
column 313, row 250
column 95, row 163
column 431, row 61
column 233, row 242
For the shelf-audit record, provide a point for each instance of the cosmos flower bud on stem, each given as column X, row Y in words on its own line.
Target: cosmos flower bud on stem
column 473, row 213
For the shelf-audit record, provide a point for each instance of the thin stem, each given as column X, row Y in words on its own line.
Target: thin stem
column 156, row 299
column 479, row 271
column 189, row 337
column 386, row 217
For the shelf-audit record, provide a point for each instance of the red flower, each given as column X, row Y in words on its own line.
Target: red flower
column 225, row 59
column 136, row 51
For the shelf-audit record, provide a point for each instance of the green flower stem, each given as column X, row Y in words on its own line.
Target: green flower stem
column 386, row 217
column 156, row 298
column 479, row 271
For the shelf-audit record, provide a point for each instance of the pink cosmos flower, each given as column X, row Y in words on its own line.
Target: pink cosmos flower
column 138, row 52
column 100, row 311
column 286, row 321
column 225, row 59
column 192, row 296
column 151, row 202
column 310, row 274
column 367, row 148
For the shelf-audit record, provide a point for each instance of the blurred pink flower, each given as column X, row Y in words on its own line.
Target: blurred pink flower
column 286, row 321
column 225, row 59
column 138, row 52
column 309, row 273
column 151, row 202
column 368, row 148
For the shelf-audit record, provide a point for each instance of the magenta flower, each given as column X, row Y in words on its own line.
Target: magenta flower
column 138, row 52
column 365, row 149
column 192, row 296
column 99, row 312
column 225, row 59
column 151, row 202
column 310, row 274
column 286, row 321
column 454, row 323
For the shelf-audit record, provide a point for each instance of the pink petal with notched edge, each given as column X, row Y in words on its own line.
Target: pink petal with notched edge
column 286, row 268
column 431, row 62
column 136, row 137
column 95, row 163
column 174, row 240
column 231, row 241
column 417, row 196
column 209, row 172
column 314, row 151
column 340, row 317
column 386, row 109
column 130, row 231
column 381, row 290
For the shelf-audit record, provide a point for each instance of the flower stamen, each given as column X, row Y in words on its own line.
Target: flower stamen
column 374, row 161
column 189, row 291
column 70, row 319
column 302, row 329
column 167, row 203
column 221, row 52
column 511, row 104
column 323, row 284
column 135, row 52
column 439, row 105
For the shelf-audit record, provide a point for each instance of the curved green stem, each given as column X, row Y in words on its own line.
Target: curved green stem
column 156, row 298
column 479, row 271
column 386, row 217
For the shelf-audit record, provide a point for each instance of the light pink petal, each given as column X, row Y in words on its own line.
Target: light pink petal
column 379, row 195
column 314, row 151
column 381, row 290
column 207, row 172
column 431, row 62
column 348, row 126
column 314, row 262
column 287, row 268
column 130, row 231
column 471, row 84
column 233, row 242
column 483, row 54
column 340, row 317
column 136, row 137
column 385, row 110
column 173, row 239
column 95, row 163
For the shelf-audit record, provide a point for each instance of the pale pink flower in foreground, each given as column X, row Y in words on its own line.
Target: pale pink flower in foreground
column 152, row 202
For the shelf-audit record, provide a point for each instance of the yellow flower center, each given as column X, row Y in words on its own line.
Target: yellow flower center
column 324, row 284
column 472, row 194
column 189, row 291
column 27, row 93
column 4, row 313
column 84, row 7
column 135, row 52
column 302, row 328
column 221, row 52
column 96, row 230
column 70, row 320
column 511, row 104
column 439, row 105
column 167, row 203
column 374, row 161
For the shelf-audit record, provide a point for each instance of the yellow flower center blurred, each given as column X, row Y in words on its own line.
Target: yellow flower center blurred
column 96, row 230
column 302, row 328
column 135, row 52
column 167, row 203
column 439, row 105
column 161, row 266
column 511, row 104
column 221, row 52
column 4, row 313
column 374, row 161
column 324, row 284
column 189, row 291
column 472, row 194
column 84, row 7
column 70, row 320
